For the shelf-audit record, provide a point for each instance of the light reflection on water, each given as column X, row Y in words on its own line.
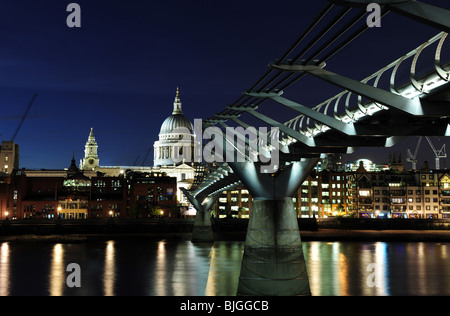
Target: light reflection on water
column 178, row 268
column 4, row 269
column 109, row 274
column 57, row 271
column 380, row 268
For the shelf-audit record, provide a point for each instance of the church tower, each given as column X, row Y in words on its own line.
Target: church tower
column 90, row 160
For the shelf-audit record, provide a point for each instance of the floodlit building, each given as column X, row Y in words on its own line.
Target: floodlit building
column 399, row 194
column 176, row 136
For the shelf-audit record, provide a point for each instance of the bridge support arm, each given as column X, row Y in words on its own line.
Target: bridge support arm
column 346, row 128
column 309, row 141
column 202, row 225
column 425, row 13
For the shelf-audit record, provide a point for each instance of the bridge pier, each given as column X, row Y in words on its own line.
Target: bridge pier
column 202, row 231
column 273, row 263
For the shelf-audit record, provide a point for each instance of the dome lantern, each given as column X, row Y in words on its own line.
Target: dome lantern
column 177, row 104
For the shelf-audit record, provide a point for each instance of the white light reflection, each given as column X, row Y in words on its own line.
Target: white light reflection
column 374, row 269
column 161, row 269
column 381, row 270
column 343, row 273
column 211, row 287
column 444, row 254
column 421, row 270
column 328, row 268
column 4, row 269
column 110, row 269
column 312, row 257
column 57, row 271
column 335, row 268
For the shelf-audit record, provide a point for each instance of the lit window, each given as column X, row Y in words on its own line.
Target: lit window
column 364, row 193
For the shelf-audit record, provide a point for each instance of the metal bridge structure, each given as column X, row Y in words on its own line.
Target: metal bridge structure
column 400, row 100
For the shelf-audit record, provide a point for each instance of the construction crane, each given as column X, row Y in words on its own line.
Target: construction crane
column 437, row 153
column 413, row 158
column 146, row 155
column 23, row 117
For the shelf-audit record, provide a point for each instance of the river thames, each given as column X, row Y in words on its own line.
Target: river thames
column 182, row 268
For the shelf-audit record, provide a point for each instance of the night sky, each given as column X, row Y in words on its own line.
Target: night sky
column 118, row 73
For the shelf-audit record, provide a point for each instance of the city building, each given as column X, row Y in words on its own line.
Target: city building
column 6, row 195
column 389, row 192
column 234, row 203
column 76, row 196
column 398, row 194
column 9, row 157
column 322, row 194
column 369, row 165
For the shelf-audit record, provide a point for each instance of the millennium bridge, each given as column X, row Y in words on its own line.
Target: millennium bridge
column 408, row 97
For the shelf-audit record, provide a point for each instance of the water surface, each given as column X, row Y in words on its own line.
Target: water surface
column 182, row 268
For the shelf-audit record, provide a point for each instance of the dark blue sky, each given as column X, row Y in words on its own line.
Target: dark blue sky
column 118, row 73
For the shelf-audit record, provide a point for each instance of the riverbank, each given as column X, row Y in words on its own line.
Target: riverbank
column 224, row 229
column 331, row 235
column 376, row 235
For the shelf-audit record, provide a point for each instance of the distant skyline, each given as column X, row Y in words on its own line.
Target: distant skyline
column 118, row 73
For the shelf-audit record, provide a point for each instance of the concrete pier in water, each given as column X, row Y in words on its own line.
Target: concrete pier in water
column 273, row 263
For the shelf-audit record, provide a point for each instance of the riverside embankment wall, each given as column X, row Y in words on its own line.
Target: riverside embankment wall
column 221, row 226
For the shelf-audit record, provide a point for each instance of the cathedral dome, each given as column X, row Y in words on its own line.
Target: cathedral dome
column 176, row 120
column 176, row 138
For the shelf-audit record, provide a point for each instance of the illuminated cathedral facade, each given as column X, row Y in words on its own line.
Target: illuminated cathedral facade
column 175, row 137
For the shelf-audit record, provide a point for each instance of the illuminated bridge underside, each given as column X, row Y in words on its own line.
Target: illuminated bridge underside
column 273, row 261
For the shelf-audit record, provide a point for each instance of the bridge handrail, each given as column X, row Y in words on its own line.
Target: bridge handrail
column 301, row 123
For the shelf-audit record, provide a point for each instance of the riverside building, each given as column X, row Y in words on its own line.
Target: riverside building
column 76, row 196
column 390, row 193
